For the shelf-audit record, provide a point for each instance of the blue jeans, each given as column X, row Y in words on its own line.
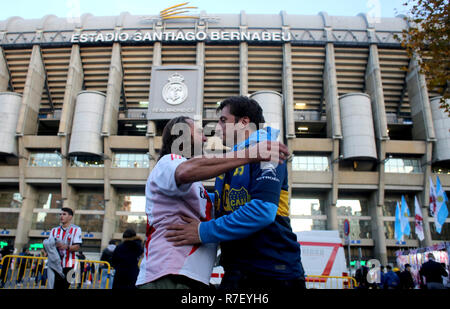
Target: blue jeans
column 105, row 276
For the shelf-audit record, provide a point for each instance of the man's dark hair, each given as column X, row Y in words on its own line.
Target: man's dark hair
column 389, row 267
column 68, row 210
column 241, row 106
column 168, row 138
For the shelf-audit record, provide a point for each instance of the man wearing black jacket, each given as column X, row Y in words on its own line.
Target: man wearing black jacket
column 433, row 273
column 406, row 279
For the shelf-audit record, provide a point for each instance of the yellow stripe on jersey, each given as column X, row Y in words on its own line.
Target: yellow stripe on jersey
column 283, row 205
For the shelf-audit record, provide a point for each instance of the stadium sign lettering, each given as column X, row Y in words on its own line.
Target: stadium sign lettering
column 140, row 36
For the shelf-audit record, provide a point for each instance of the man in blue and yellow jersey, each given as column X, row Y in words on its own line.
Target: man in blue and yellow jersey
column 259, row 249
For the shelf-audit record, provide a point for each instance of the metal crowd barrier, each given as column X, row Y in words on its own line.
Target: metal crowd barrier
column 330, row 282
column 28, row 272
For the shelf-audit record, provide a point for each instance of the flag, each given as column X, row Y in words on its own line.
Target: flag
column 441, row 212
column 418, row 220
column 432, row 198
column 398, row 225
column 404, row 211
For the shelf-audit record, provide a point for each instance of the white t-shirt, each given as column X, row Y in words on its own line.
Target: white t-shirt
column 165, row 204
column 69, row 236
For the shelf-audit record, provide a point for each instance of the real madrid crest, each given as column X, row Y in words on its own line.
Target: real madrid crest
column 175, row 91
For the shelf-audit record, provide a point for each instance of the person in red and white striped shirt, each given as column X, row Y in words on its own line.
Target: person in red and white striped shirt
column 68, row 241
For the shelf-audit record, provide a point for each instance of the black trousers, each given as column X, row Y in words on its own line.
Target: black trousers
column 61, row 283
column 236, row 279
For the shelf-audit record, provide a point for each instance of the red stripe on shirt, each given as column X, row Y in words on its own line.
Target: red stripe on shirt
column 149, row 232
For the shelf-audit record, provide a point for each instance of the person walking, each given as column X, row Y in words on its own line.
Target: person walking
column 433, row 272
column 5, row 271
column 391, row 279
column 81, row 257
column 361, row 277
column 22, row 263
column 107, row 257
column 406, row 279
column 125, row 260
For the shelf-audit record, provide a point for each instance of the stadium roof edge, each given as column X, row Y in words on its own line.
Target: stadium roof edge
column 322, row 20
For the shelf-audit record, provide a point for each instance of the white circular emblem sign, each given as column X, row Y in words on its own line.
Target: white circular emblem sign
column 175, row 91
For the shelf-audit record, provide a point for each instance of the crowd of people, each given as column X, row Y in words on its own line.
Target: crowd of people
column 432, row 275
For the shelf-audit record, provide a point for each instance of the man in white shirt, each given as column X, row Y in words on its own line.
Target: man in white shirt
column 68, row 240
column 174, row 191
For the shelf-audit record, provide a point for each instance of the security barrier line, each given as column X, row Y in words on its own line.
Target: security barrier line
column 330, row 282
column 17, row 271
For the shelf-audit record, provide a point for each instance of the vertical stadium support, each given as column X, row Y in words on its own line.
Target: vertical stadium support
column 200, row 61
column 27, row 124
column 288, row 98
column 423, row 129
column 74, row 85
column 110, row 126
column 374, row 88
column 32, row 94
column 243, row 58
column 113, row 92
column 4, row 74
column 29, row 201
column 334, row 130
column 151, row 127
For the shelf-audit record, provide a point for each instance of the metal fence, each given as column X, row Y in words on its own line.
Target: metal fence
column 330, row 282
column 28, row 272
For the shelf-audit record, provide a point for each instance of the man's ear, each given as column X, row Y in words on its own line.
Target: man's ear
column 244, row 121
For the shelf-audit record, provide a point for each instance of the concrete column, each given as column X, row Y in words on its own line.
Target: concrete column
column 378, row 235
column 70, row 197
column 30, row 199
column 29, row 202
column 288, row 98
column 200, row 61
column 332, row 195
column 423, row 128
column 288, row 92
column 243, row 68
column 374, row 89
column 424, row 198
column 113, row 92
column 330, row 94
column 4, row 73
column 74, row 85
column 151, row 127
column 32, row 94
column 109, row 219
column 331, row 211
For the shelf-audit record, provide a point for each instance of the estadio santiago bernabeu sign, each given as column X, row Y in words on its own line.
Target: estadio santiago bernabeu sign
column 180, row 36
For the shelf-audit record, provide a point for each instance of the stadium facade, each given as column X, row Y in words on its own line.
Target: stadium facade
column 83, row 106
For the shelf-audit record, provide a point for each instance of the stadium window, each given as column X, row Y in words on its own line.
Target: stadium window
column 131, row 160
column 310, row 163
column 44, row 159
column 86, row 161
column 403, row 165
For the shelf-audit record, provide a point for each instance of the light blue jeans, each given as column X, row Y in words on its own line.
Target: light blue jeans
column 105, row 276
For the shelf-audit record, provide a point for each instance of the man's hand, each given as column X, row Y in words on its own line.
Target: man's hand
column 61, row 245
column 184, row 234
column 269, row 151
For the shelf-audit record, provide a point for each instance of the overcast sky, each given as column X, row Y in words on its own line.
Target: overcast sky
column 71, row 8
